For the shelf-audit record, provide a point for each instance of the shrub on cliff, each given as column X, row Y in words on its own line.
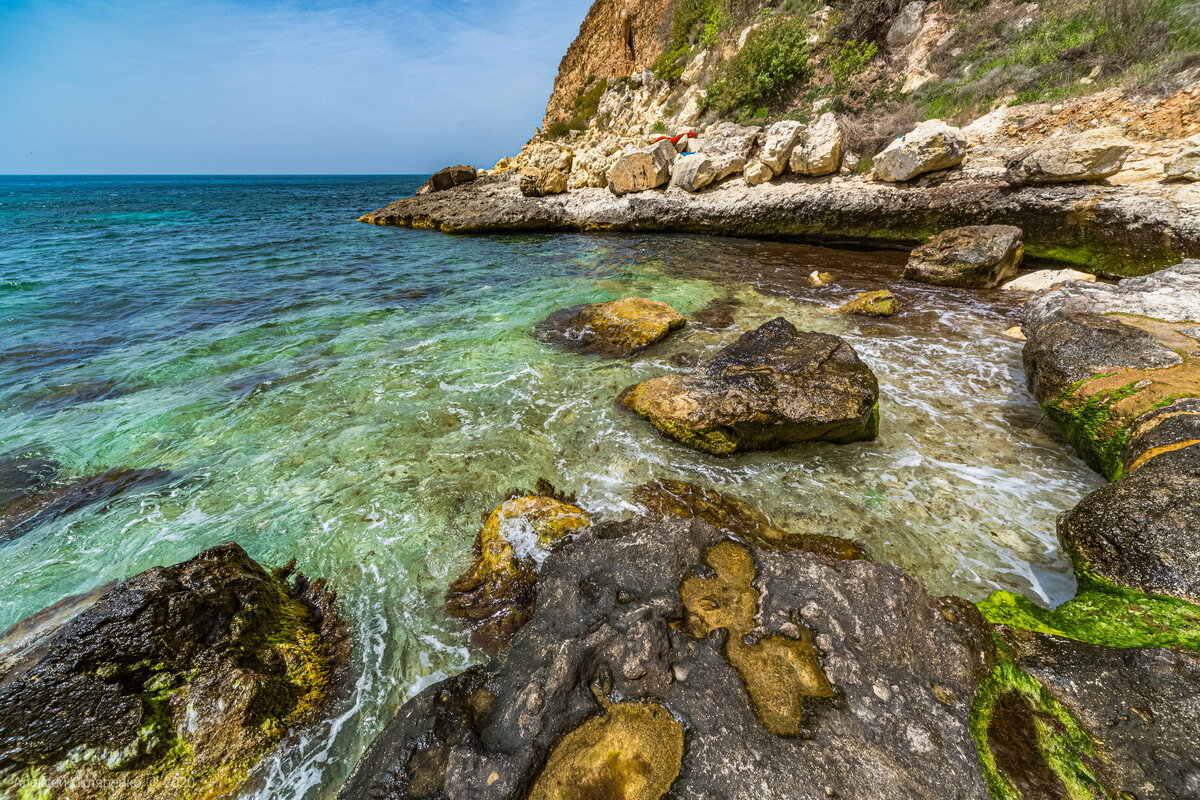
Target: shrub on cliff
column 775, row 56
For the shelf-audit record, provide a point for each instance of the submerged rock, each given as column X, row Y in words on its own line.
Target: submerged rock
column 664, row 499
column 44, row 501
column 879, row 303
column 175, row 681
column 643, row 169
column 974, row 257
column 1046, row 279
column 931, row 146
column 773, row 387
column 495, row 596
column 1088, row 156
column 448, row 178
column 664, row 658
column 619, row 327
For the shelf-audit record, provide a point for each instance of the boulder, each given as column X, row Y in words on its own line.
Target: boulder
column 1088, row 156
column 757, row 173
column 619, row 327
column 879, row 303
column 543, row 182
column 663, row 657
column 819, row 150
column 1140, row 533
column 974, row 257
column 1185, row 165
column 725, row 165
column 1046, row 279
column 448, row 178
column 663, row 499
column 730, row 139
column 643, row 169
column 495, row 596
column 778, row 144
column 931, row 146
column 693, row 172
column 907, row 24
column 774, row 386
column 180, row 676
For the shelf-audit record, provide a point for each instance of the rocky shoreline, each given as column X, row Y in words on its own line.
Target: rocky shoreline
column 1111, row 230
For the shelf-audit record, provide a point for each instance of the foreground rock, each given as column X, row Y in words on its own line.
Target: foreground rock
column 663, row 657
column 1185, row 165
column 974, row 257
column 495, row 596
column 643, row 169
column 1100, row 358
column 448, row 178
column 173, row 682
column 618, row 327
column 1118, row 230
column 1046, row 279
column 1088, row 156
column 773, row 387
column 931, row 146
column 879, row 303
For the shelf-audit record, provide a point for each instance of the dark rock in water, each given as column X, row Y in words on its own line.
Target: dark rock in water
column 58, row 396
column 659, row 499
column 974, row 257
column 448, row 178
column 665, row 657
column 1142, row 532
column 619, row 327
column 718, row 314
column 24, row 476
column 181, row 676
column 774, row 386
column 1165, row 438
column 1138, row 706
column 495, row 596
column 879, row 303
column 49, row 503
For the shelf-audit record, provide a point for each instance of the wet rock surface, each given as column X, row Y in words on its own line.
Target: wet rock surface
column 879, row 303
column 974, row 257
column 175, row 680
column 673, row 628
column 618, row 327
column 774, row 386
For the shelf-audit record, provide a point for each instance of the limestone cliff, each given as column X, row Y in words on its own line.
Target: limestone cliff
column 618, row 37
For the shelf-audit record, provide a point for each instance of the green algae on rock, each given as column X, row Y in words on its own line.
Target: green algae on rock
column 662, row 498
column 879, row 303
column 773, row 387
column 629, row 751
column 619, row 327
column 172, row 684
column 495, row 595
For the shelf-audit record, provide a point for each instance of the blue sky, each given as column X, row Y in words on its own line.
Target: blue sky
column 122, row 87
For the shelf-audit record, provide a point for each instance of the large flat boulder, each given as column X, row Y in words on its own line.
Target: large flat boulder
column 931, row 146
column 619, row 327
column 1088, row 156
column 180, row 676
column 667, row 657
column 974, row 257
column 1185, row 165
column 774, row 386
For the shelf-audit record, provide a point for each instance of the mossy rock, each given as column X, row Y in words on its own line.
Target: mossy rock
column 495, row 595
column 879, row 303
column 199, row 668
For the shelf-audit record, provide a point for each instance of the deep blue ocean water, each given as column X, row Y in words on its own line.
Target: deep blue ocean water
column 357, row 397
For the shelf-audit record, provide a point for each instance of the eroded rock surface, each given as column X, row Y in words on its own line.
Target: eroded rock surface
column 619, row 327
column 448, row 178
column 973, row 257
column 774, row 386
column 643, row 169
column 177, row 680
column 1185, row 165
column 1046, row 279
column 671, row 628
column 1088, row 156
column 931, row 146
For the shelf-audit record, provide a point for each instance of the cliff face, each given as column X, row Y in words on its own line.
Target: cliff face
column 617, row 37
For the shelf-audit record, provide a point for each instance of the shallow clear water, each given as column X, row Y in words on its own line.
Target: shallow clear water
column 358, row 397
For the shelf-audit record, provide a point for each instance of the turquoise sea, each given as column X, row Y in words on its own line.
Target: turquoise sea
column 358, row 397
